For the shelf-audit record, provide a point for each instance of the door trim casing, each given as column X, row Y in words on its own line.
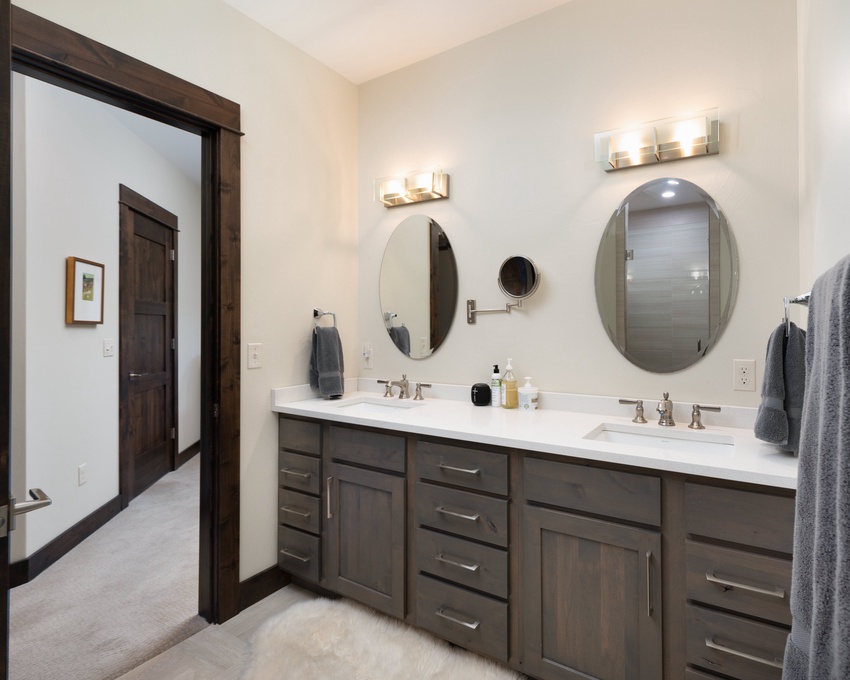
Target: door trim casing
column 52, row 53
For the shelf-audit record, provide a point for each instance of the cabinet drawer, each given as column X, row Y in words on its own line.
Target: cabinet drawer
column 299, row 435
column 463, row 513
column 299, row 510
column 464, row 562
column 746, row 517
column 474, row 621
column 303, row 473
column 735, row 646
column 691, row 674
column 299, row 553
column 622, row 495
column 469, row 468
column 741, row 581
column 376, row 449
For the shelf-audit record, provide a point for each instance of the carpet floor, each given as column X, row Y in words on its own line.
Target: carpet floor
column 122, row 596
column 337, row 639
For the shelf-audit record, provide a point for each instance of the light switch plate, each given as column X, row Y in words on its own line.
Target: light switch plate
column 109, row 348
column 255, row 354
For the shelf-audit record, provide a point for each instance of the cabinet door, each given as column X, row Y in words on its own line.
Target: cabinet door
column 364, row 550
column 591, row 598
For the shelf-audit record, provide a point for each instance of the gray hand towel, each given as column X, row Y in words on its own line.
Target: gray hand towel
column 782, row 388
column 771, row 420
column 401, row 338
column 819, row 645
column 326, row 362
column 795, row 384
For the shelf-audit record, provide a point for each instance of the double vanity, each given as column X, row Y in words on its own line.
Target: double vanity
column 562, row 544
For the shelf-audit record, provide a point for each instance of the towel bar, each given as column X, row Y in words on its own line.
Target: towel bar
column 799, row 300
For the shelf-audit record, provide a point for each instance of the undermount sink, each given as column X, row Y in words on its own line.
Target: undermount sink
column 377, row 406
column 650, row 436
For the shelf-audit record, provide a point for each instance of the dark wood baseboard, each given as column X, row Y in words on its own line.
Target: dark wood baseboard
column 27, row 569
column 187, row 454
column 258, row 586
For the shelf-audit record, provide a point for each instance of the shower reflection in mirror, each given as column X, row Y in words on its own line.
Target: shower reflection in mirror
column 666, row 275
column 418, row 286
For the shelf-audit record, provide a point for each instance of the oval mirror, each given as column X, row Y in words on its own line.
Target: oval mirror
column 666, row 275
column 518, row 277
column 418, row 286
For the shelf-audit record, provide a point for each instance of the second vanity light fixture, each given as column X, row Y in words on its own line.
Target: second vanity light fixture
column 670, row 139
column 415, row 187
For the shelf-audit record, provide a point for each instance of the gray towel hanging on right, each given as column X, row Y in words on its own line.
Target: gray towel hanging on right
column 819, row 645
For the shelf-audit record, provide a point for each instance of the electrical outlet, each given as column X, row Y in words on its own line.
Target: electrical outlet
column 255, row 355
column 367, row 355
column 744, row 375
column 82, row 474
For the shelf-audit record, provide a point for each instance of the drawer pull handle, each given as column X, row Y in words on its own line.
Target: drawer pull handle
column 328, row 485
column 295, row 473
column 774, row 663
column 776, row 592
column 295, row 556
column 472, row 625
column 445, row 560
column 443, row 466
column 296, row 511
column 459, row 515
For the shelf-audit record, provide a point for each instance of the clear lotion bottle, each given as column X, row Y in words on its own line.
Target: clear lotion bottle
column 509, row 387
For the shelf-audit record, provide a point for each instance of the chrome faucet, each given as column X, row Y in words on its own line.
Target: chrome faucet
column 665, row 411
column 403, row 387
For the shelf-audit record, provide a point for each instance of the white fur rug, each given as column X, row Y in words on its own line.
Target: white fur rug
column 339, row 640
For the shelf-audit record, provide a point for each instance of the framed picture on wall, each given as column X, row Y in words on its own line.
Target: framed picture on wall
column 83, row 291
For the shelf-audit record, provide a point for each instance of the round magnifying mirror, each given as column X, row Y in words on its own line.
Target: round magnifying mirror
column 518, row 277
column 418, row 286
column 666, row 275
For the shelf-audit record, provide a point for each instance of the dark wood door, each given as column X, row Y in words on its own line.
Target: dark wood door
column 148, row 342
column 591, row 598
column 364, row 549
column 5, row 316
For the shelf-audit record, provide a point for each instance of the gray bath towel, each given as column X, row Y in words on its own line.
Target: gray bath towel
column 782, row 389
column 819, row 645
column 326, row 362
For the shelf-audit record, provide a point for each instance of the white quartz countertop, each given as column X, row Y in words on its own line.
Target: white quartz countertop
column 563, row 433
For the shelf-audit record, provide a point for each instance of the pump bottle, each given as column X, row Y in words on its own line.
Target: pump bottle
column 509, row 387
column 495, row 387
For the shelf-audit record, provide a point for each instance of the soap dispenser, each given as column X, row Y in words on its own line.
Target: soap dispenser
column 495, row 387
column 527, row 396
column 509, row 389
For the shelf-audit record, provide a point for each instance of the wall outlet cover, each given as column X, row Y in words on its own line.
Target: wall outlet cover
column 744, row 375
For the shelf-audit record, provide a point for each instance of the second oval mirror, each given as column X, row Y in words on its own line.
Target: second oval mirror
column 418, row 286
column 666, row 275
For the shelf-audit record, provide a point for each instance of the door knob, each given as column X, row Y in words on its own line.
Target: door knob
column 39, row 500
column 137, row 375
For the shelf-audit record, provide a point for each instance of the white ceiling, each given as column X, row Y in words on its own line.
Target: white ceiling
column 364, row 39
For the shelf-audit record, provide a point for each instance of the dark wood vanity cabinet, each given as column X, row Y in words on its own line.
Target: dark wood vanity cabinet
column 738, row 564
column 561, row 568
column 591, row 589
column 462, row 536
column 299, row 498
column 364, row 543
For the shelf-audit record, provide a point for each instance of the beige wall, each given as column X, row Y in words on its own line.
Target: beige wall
column 511, row 118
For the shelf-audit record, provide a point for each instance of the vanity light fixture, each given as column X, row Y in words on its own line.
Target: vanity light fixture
column 415, row 187
column 697, row 134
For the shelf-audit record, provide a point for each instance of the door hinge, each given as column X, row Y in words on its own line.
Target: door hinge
column 173, row 343
column 174, row 433
column 173, row 255
column 215, row 410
